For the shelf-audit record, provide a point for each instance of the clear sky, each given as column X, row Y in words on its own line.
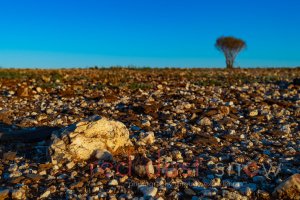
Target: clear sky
column 156, row 33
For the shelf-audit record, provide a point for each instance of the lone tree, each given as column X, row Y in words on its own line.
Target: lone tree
column 230, row 46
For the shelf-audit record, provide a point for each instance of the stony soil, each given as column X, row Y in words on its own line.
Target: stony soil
column 218, row 134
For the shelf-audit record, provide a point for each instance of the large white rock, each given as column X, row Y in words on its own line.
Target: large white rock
column 80, row 141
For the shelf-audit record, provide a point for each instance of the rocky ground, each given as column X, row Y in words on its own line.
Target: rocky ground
column 195, row 133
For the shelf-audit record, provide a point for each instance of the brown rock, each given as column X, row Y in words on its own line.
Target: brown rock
column 211, row 113
column 46, row 78
column 225, row 110
column 18, row 194
column 263, row 195
column 45, row 166
column 76, row 185
column 4, row 194
column 205, row 121
column 23, row 92
column 142, row 166
column 6, row 116
column 34, row 177
column 233, row 116
column 9, row 155
column 205, row 139
column 16, row 180
column 231, row 138
column 289, row 189
column 146, row 138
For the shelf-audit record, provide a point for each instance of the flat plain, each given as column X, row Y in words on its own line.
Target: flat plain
column 207, row 133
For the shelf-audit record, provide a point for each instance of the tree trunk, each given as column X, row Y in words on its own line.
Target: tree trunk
column 229, row 64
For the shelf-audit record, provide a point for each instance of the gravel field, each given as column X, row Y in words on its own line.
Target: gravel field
column 171, row 133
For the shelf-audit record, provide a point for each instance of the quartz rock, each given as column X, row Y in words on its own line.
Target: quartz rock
column 81, row 140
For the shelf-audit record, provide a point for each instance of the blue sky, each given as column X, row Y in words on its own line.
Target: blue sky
column 156, row 33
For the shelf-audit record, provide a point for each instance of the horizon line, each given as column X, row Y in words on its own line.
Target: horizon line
column 148, row 67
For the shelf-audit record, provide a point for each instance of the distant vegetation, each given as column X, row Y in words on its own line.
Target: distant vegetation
column 230, row 46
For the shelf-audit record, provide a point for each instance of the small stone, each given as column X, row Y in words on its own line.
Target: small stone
column 113, row 182
column 263, row 195
column 23, row 92
column 15, row 174
column 102, row 194
column 230, row 103
column 253, row 113
column 39, row 90
column 49, row 111
column 95, row 189
column 11, row 92
column 177, row 155
column 76, row 185
column 148, row 191
column 160, row 87
column 216, row 182
column 142, row 166
column 13, row 167
column 146, row 123
column 123, row 179
column 18, row 194
column 46, row 78
column 237, row 185
column 225, row 110
column 70, row 165
column 245, row 191
column 45, row 194
column 112, row 197
column 16, row 180
column 52, row 189
column 45, row 166
column 233, row 195
column 41, row 117
column 205, row 121
column 59, row 121
column 205, row 139
column 208, row 192
column 171, row 172
column 147, row 138
column 55, row 167
column 286, row 129
column 34, row 177
column 84, row 104
column 103, row 154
